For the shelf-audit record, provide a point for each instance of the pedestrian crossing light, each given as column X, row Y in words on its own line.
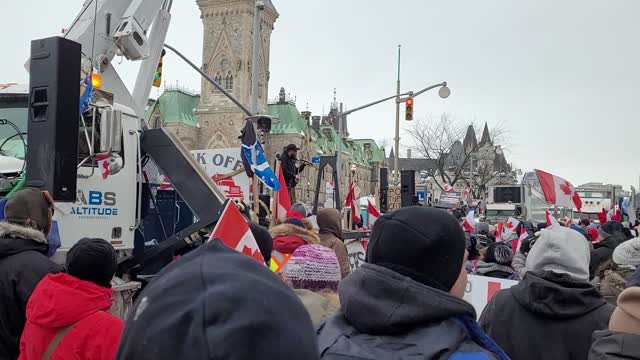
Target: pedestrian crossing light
column 157, row 78
column 408, row 112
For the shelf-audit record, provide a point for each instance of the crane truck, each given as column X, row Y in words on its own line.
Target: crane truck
column 520, row 201
column 115, row 146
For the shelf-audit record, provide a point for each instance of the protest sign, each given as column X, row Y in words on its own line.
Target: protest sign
column 220, row 162
column 393, row 197
column 357, row 251
column 451, row 198
column 480, row 290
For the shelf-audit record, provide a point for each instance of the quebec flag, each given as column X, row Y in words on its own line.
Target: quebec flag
column 252, row 149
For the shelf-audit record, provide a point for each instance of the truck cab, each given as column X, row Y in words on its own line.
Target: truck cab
column 13, row 130
column 519, row 201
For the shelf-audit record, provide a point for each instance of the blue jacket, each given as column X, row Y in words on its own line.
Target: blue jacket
column 386, row 315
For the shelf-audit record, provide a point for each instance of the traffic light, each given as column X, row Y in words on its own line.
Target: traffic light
column 408, row 111
column 157, row 78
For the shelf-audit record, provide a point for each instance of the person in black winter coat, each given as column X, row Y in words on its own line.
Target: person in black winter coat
column 290, row 171
column 552, row 313
column 215, row 303
column 622, row 340
column 23, row 261
column 406, row 302
column 609, row 237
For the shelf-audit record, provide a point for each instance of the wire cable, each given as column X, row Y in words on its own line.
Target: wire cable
column 18, row 133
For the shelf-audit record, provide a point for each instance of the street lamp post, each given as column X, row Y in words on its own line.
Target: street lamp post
column 444, row 93
column 397, row 138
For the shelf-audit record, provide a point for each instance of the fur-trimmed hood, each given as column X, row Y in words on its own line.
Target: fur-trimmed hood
column 287, row 238
column 8, row 230
column 289, row 229
column 15, row 239
column 307, row 223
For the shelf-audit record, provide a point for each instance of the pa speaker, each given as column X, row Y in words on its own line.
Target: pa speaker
column 384, row 178
column 407, row 187
column 54, row 115
column 384, row 206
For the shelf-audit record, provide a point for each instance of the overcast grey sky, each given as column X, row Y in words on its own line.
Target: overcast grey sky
column 562, row 75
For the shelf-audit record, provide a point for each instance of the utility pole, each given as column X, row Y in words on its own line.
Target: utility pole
column 339, row 144
column 254, row 96
column 255, row 56
column 396, row 175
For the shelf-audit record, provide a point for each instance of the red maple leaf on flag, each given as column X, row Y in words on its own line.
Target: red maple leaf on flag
column 254, row 254
column 105, row 169
column 566, row 188
column 509, row 225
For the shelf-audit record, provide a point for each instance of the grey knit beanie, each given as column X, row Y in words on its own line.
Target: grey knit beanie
column 627, row 253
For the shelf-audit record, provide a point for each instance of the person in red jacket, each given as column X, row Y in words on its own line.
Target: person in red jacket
column 68, row 313
column 290, row 235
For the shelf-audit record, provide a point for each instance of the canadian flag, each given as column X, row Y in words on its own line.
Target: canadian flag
column 523, row 236
column 232, row 228
column 103, row 164
column 448, row 188
column 469, row 223
column 374, row 214
column 559, row 191
column 352, row 201
column 551, row 221
column 510, row 226
column 466, row 195
column 614, row 214
column 499, row 228
column 281, row 198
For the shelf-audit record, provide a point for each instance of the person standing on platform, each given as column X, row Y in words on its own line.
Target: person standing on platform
column 291, row 172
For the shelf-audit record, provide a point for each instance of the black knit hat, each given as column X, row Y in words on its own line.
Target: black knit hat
column 215, row 303
column 92, row 260
column 264, row 240
column 425, row 244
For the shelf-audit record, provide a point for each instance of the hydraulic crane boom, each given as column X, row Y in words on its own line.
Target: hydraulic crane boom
column 119, row 27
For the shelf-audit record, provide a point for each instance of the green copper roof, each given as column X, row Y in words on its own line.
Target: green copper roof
column 176, row 107
column 149, row 110
column 291, row 122
column 377, row 153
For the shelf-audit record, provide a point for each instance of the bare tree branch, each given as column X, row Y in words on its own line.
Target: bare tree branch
column 440, row 139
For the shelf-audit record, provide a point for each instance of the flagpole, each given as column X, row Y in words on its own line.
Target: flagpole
column 275, row 196
column 256, row 182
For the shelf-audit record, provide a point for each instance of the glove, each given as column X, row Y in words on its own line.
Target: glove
column 200, row 236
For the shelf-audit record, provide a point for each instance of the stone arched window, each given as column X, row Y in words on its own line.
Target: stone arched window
column 218, row 78
column 228, row 82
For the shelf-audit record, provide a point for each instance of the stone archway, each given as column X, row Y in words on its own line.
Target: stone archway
column 217, row 141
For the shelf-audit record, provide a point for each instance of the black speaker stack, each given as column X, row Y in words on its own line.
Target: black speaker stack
column 384, row 189
column 54, row 116
column 407, row 187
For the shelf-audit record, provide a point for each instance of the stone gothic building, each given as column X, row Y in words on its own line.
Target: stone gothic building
column 226, row 57
column 210, row 120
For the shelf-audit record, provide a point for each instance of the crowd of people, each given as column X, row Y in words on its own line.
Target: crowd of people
column 577, row 296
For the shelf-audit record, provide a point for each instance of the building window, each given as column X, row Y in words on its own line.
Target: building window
column 228, row 83
column 218, row 79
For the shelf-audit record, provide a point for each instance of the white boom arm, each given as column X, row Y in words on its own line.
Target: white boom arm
column 119, row 27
